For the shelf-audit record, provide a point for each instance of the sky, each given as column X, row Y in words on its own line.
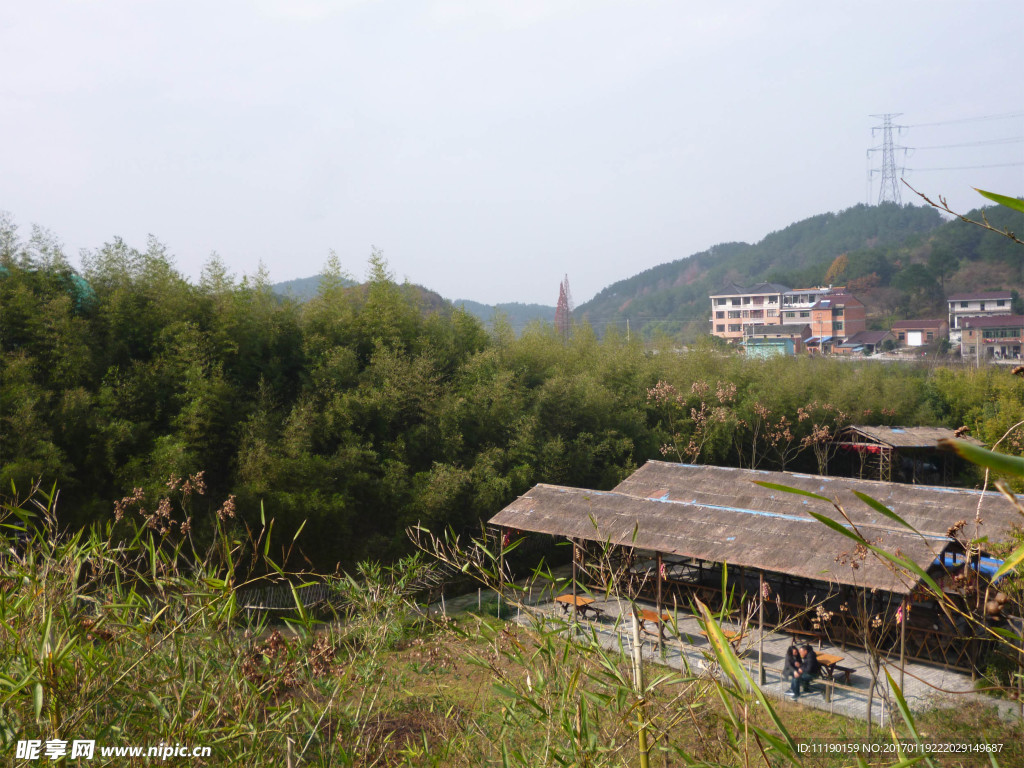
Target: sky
column 489, row 148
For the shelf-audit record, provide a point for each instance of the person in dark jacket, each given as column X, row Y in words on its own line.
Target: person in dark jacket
column 806, row 670
column 789, row 664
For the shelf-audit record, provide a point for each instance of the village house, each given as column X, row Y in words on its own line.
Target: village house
column 983, row 304
column 836, row 316
column 996, row 337
column 864, row 343
column 918, row 333
column 736, row 310
column 776, row 340
column 734, row 307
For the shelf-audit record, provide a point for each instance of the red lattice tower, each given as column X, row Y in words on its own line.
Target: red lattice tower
column 563, row 311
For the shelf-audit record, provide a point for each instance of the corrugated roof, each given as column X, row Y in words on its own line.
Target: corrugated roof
column 993, row 321
column 839, row 299
column 907, row 437
column 784, row 540
column 719, row 514
column 790, row 329
column 979, row 295
column 910, row 324
column 930, row 509
column 732, row 289
column 869, row 337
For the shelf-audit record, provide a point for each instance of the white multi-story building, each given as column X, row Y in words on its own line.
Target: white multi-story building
column 797, row 303
column 977, row 304
column 734, row 307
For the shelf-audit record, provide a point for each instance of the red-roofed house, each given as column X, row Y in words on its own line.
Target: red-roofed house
column 997, row 336
column 918, row 333
column 837, row 316
column 975, row 304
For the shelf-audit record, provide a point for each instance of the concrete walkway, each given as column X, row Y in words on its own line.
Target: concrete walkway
column 925, row 686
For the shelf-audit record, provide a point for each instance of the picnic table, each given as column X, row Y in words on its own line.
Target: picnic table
column 828, row 665
column 583, row 605
column 644, row 616
column 732, row 636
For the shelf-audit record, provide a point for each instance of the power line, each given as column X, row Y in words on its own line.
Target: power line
column 965, row 167
column 1004, row 116
column 989, row 142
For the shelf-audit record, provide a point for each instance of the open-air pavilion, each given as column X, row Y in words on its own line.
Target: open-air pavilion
column 668, row 532
column 902, row 454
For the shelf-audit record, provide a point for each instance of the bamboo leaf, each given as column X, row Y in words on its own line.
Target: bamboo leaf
column 881, row 509
column 1010, row 562
column 997, row 462
column 903, row 562
column 901, row 702
column 790, row 489
column 1009, row 202
column 37, row 699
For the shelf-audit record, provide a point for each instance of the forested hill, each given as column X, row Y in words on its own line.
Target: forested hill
column 303, row 288
column 673, row 297
column 517, row 315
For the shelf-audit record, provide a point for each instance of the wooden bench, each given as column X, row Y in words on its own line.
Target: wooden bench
column 796, row 633
column 847, row 673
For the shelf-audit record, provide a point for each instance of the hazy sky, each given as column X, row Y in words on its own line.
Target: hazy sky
column 488, row 148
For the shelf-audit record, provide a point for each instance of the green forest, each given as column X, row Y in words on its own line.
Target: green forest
column 373, row 407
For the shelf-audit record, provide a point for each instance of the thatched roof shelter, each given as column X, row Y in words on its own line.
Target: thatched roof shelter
column 916, row 448
column 720, row 514
column 925, row 438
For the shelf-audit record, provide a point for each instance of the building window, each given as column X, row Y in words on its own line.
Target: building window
column 746, row 299
column 963, row 305
column 970, row 350
column 734, row 329
column 805, row 314
column 735, row 302
column 719, row 315
column 1001, row 303
column 931, row 336
column 720, row 328
column 902, row 336
column 983, row 306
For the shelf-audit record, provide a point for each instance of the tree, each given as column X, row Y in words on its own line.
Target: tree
column 837, row 269
column 943, row 262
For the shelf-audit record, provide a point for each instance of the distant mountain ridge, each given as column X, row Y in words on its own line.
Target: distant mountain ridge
column 517, row 314
column 303, row 288
column 901, row 261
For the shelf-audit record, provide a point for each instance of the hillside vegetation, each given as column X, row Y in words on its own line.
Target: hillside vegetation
column 901, row 260
column 374, row 407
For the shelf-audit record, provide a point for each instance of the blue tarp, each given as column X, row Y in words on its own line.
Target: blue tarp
column 989, row 565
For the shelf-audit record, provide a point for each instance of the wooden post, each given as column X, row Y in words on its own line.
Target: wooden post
column 657, row 607
column 903, row 638
column 575, row 607
column 638, row 683
column 760, row 627
column 501, row 567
